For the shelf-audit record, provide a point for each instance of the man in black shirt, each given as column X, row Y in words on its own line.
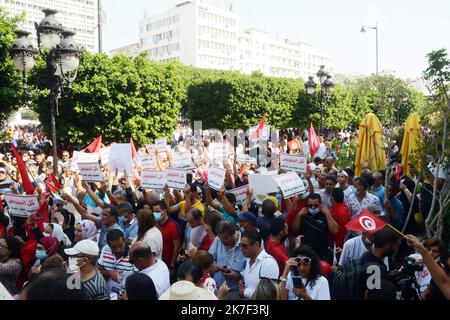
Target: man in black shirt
column 385, row 242
column 316, row 222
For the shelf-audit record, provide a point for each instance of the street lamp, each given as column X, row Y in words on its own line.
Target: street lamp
column 62, row 55
column 363, row 30
column 326, row 88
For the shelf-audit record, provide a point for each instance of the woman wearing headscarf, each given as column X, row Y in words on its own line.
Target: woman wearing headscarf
column 56, row 230
column 86, row 230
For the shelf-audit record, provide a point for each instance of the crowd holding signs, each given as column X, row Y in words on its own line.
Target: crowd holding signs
column 261, row 219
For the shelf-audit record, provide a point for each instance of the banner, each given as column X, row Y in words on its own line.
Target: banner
column 290, row 184
column 182, row 160
column 240, row 193
column 21, row 205
column 151, row 179
column 245, row 158
column 147, row 162
column 91, row 172
column 176, row 178
column 216, row 177
column 293, row 162
column 120, row 158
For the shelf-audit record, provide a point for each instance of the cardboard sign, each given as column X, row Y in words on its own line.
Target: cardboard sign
column 240, row 193
column 216, row 177
column 104, row 155
column 182, row 160
column 83, row 157
column 263, row 184
column 161, row 145
column 147, row 162
column 176, row 178
column 120, row 158
column 21, row 205
column 245, row 158
column 91, row 172
column 293, row 162
column 151, row 179
column 265, row 134
column 290, row 184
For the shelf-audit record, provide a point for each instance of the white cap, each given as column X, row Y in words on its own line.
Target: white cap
column 87, row 247
column 186, row 290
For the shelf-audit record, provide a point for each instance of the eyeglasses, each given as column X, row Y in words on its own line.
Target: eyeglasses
column 303, row 260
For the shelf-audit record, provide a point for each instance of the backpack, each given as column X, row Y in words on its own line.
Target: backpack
column 346, row 283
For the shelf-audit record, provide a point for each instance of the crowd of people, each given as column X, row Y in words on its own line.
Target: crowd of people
column 124, row 242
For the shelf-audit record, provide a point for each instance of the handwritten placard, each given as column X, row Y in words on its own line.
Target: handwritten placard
column 91, row 172
column 293, row 162
column 182, row 160
column 216, row 177
column 289, row 184
column 120, row 158
column 147, row 162
column 176, row 178
column 240, row 193
column 151, row 179
column 245, row 159
column 161, row 145
column 21, row 205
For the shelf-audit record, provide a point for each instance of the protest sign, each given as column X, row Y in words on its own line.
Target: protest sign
column 21, row 205
column 147, row 162
column 217, row 151
column 175, row 178
column 120, row 158
column 182, row 160
column 104, row 155
column 240, row 193
column 290, row 184
column 151, row 179
column 83, row 157
column 263, row 184
column 151, row 148
column 161, row 145
column 91, row 172
column 293, row 162
column 216, row 177
column 245, row 158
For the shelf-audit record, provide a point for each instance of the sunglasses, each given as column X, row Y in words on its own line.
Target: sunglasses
column 303, row 260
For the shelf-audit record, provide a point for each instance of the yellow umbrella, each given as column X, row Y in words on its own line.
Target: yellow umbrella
column 411, row 140
column 370, row 147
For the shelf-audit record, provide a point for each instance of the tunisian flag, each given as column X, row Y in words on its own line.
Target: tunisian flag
column 26, row 182
column 366, row 221
column 95, row 145
column 313, row 141
column 258, row 132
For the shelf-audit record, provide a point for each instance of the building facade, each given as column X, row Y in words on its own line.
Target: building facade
column 80, row 16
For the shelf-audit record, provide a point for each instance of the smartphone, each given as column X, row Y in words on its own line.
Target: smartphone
column 117, row 290
column 298, row 283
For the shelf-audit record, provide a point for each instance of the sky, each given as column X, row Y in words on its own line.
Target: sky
column 408, row 29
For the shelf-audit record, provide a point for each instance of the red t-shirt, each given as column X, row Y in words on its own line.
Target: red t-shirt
column 292, row 214
column 206, row 243
column 278, row 251
column 169, row 234
column 341, row 214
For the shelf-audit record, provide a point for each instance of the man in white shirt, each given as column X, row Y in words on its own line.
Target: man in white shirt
column 259, row 264
column 322, row 152
column 144, row 260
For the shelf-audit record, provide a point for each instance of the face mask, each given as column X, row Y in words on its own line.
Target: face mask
column 314, row 210
column 304, row 195
column 73, row 265
column 157, row 216
column 46, row 234
column 41, row 254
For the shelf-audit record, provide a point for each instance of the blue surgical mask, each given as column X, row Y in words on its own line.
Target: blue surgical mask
column 157, row 216
column 41, row 254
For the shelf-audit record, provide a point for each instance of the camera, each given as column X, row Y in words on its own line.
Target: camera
column 406, row 281
column 410, row 266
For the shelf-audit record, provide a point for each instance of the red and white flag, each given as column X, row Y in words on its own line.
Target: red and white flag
column 313, row 141
column 95, row 145
column 366, row 221
column 259, row 131
column 26, row 182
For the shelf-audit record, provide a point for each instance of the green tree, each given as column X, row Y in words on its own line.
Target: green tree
column 11, row 88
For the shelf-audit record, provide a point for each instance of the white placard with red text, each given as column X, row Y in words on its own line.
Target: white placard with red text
column 216, row 177
column 175, row 178
column 293, row 162
column 147, row 162
column 182, row 160
column 152, row 179
column 240, row 193
column 91, row 172
column 289, row 184
column 21, row 205
column 245, row 158
column 83, row 157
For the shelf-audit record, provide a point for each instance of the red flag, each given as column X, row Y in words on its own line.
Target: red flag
column 26, row 182
column 41, row 214
column 258, row 132
column 313, row 141
column 51, row 179
column 95, row 145
column 366, row 221
column 133, row 148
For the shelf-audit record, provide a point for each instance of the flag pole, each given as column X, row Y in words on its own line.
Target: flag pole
column 399, row 232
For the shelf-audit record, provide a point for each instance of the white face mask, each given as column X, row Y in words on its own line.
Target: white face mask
column 73, row 264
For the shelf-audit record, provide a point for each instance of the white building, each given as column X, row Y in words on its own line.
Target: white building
column 131, row 50
column 79, row 16
column 207, row 36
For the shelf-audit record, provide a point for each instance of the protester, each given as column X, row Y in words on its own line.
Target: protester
column 361, row 199
column 205, row 261
column 268, row 289
column 86, row 230
column 341, row 214
column 139, row 286
column 127, row 221
column 10, row 264
column 275, row 243
column 148, row 231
